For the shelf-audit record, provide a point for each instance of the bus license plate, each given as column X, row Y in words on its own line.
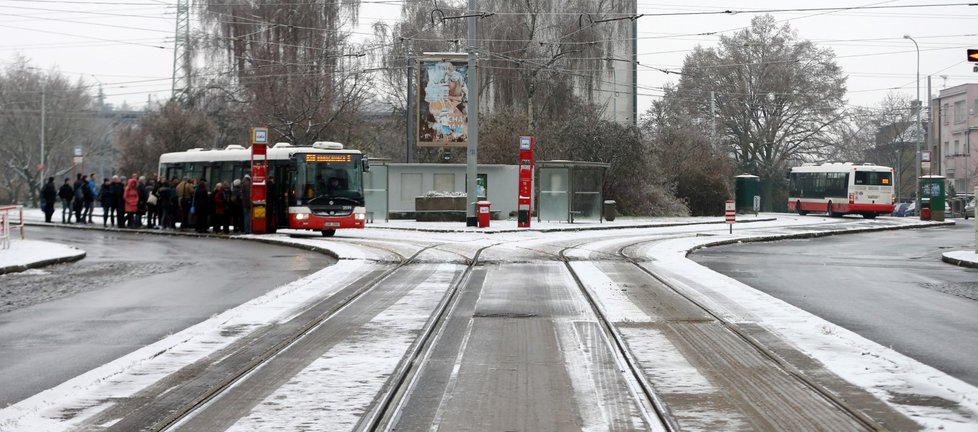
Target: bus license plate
column 331, row 224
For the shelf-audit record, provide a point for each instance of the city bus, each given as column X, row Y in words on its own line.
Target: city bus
column 841, row 188
column 317, row 187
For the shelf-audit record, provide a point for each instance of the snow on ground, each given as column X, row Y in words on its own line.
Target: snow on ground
column 25, row 254
column 880, row 370
column 84, row 396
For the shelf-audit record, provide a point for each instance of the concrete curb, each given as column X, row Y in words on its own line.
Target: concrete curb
column 815, row 235
column 42, row 263
column 957, row 262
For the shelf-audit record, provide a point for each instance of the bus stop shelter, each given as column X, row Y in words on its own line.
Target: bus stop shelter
column 570, row 190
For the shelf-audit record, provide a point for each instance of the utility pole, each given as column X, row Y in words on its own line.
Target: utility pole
column 471, row 218
column 713, row 119
column 40, row 180
column 409, row 104
column 180, row 81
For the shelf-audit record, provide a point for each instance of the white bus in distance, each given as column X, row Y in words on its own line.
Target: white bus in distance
column 841, row 188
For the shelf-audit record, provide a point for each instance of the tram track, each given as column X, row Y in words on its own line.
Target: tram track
column 774, row 359
column 164, row 405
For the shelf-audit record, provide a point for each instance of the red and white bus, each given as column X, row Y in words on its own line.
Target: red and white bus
column 840, row 189
column 317, row 187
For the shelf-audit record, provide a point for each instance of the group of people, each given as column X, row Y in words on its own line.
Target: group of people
column 163, row 203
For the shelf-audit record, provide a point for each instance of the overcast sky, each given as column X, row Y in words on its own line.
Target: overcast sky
column 127, row 45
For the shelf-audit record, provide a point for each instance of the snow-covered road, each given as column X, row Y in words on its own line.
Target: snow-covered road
column 315, row 393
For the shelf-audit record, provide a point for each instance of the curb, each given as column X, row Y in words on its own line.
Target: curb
column 807, row 235
column 42, row 263
column 959, row 263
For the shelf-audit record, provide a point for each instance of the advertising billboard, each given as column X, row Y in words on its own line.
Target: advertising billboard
column 443, row 101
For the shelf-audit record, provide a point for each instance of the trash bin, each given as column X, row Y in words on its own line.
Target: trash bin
column 925, row 211
column 610, row 210
column 482, row 208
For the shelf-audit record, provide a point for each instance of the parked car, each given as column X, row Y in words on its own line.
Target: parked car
column 900, row 209
column 969, row 209
column 911, row 209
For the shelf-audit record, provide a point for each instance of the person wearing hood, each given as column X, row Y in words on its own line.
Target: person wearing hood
column 130, row 196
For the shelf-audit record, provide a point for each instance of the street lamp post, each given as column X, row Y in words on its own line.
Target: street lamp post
column 919, row 126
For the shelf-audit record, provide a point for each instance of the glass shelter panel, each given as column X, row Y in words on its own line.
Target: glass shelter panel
column 554, row 199
column 586, row 203
column 375, row 191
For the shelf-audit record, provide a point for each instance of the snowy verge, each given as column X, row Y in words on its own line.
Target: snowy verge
column 961, row 258
column 28, row 254
column 885, row 373
column 71, row 403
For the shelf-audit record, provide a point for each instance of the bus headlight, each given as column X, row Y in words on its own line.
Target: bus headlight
column 360, row 213
column 301, row 213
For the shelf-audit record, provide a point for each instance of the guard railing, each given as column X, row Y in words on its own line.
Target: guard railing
column 10, row 217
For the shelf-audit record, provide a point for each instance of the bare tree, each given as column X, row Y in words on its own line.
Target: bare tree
column 68, row 123
column 538, row 56
column 292, row 67
column 170, row 129
column 776, row 99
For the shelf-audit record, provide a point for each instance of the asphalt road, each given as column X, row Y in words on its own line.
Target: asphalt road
column 130, row 290
column 890, row 287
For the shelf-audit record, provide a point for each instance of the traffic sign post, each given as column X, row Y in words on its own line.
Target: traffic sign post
column 260, row 220
column 730, row 213
column 524, row 199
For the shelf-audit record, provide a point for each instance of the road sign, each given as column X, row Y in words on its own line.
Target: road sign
column 925, row 156
column 259, row 135
column 730, row 212
column 973, row 55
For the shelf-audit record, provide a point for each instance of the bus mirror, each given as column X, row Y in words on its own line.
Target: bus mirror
column 365, row 163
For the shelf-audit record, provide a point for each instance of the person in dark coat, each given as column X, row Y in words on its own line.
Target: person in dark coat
column 48, row 196
column 118, row 198
column 200, row 206
column 78, row 203
column 271, row 205
column 105, row 200
column 164, row 204
column 246, row 203
column 66, row 193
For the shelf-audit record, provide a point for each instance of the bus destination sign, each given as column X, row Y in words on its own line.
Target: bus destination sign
column 329, row 158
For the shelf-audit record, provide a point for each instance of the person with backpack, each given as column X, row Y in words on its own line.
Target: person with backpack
column 90, row 202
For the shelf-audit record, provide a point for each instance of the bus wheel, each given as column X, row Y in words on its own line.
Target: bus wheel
column 869, row 215
column 800, row 211
column 329, row 232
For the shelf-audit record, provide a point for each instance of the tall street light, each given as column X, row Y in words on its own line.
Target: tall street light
column 919, row 126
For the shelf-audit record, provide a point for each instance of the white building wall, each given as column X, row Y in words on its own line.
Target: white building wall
column 958, row 138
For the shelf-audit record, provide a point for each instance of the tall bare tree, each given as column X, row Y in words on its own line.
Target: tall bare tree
column 776, row 99
column 292, row 66
column 538, row 56
column 171, row 128
column 68, row 123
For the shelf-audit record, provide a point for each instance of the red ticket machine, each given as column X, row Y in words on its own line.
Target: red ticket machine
column 524, row 203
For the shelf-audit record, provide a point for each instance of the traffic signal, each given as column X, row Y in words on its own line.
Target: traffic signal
column 973, row 55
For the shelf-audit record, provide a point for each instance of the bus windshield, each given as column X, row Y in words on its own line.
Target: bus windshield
column 327, row 177
column 873, row 178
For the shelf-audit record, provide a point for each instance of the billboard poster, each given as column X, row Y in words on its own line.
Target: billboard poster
column 443, row 99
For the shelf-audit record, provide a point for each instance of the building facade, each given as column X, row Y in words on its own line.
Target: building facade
column 956, row 126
